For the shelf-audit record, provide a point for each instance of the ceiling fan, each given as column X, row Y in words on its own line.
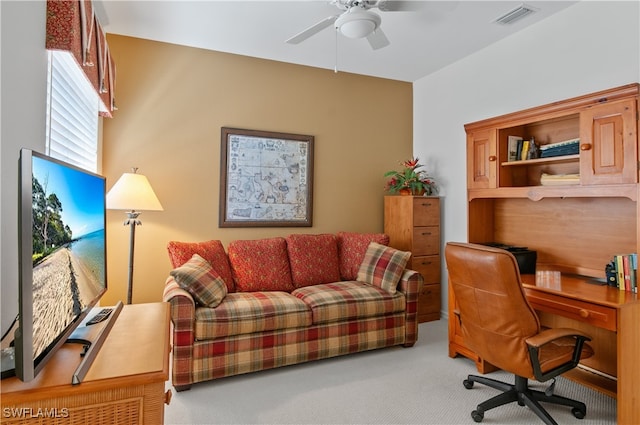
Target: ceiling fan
column 358, row 21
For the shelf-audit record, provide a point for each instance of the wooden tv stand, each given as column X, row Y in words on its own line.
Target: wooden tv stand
column 125, row 384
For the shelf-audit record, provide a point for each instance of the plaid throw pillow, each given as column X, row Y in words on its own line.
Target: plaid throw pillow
column 212, row 251
column 198, row 278
column 383, row 266
column 351, row 249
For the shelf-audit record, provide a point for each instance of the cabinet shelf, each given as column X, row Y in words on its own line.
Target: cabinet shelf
column 536, row 193
column 550, row 160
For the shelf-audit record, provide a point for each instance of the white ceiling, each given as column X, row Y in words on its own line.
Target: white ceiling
column 423, row 41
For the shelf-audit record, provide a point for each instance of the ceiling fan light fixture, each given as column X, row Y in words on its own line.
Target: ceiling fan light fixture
column 358, row 23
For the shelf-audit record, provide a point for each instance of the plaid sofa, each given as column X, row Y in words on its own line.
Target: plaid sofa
column 287, row 301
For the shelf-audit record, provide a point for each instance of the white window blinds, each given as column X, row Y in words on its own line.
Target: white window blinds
column 72, row 113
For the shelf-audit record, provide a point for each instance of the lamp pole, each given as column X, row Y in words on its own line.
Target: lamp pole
column 132, row 221
column 132, row 193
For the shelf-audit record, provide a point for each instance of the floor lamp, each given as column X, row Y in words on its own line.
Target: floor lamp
column 132, row 192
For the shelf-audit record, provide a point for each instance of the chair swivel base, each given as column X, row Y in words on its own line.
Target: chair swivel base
column 521, row 393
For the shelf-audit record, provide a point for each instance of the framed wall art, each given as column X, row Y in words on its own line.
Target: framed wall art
column 266, row 179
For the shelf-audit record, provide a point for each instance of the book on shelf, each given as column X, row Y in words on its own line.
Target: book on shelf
column 634, row 272
column 559, row 179
column 512, row 146
column 619, row 272
column 519, row 149
column 525, row 150
column 569, row 142
column 566, row 147
column 622, row 272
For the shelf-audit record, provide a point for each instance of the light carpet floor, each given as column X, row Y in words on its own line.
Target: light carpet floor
column 417, row 385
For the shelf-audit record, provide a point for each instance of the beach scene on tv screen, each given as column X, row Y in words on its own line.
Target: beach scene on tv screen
column 68, row 247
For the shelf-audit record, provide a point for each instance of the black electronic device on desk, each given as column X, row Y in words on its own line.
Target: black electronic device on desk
column 525, row 257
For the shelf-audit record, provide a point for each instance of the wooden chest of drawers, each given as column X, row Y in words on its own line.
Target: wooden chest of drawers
column 413, row 224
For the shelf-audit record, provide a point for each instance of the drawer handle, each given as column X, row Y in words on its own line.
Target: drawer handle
column 585, row 147
column 426, row 263
column 426, row 233
column 426, row 204
column 583, row 313
column 167, row 397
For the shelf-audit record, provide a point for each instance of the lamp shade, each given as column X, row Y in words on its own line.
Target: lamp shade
column 133, row 192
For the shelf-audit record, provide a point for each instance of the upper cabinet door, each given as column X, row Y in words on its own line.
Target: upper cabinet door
column 481, row 160
column 609, row 143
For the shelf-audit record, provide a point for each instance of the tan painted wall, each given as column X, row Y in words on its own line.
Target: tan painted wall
column 172, row 102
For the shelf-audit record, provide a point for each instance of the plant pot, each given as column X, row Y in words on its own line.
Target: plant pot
column 405, row 192
column 418, row 192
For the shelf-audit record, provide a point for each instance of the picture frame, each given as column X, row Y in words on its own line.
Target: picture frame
column 266, row 179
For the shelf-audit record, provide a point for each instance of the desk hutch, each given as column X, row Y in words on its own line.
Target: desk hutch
column 576, row 228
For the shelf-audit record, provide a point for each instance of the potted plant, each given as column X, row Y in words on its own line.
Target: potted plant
column 410, row 180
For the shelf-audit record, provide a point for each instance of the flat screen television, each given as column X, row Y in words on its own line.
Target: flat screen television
column 62, row 255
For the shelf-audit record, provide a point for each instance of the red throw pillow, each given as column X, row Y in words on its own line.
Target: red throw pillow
column 314, row 259
column 260, row 265
column 351, row 250
column 212, row 251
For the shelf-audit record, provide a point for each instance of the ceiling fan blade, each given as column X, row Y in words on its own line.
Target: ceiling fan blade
column 400, row 5
column 378, row 39
column 313, row 29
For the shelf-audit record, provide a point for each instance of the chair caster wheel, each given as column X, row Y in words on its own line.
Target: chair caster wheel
column 477, row 416
column 578, row 413
column 467, row 384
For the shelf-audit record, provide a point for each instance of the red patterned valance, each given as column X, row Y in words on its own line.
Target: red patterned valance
column 72, row 26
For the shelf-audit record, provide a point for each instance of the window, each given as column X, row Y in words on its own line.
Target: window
column 72, row 113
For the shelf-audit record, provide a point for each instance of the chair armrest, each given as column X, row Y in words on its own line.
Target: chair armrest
column 549, row 335
column 573, row 339
column 410, row 286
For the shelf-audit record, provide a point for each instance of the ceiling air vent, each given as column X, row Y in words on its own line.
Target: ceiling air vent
column 516, row 14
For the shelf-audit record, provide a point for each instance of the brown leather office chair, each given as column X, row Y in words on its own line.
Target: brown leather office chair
column 499, row 325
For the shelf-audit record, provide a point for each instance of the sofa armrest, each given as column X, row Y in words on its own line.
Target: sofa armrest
column 410, row 285
column 183, row 317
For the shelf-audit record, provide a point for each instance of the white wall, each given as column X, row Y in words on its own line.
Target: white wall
column 590, row 46
column 23, row 85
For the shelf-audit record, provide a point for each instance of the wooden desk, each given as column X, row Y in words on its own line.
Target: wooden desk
column 125, row 384
column 611, row 317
